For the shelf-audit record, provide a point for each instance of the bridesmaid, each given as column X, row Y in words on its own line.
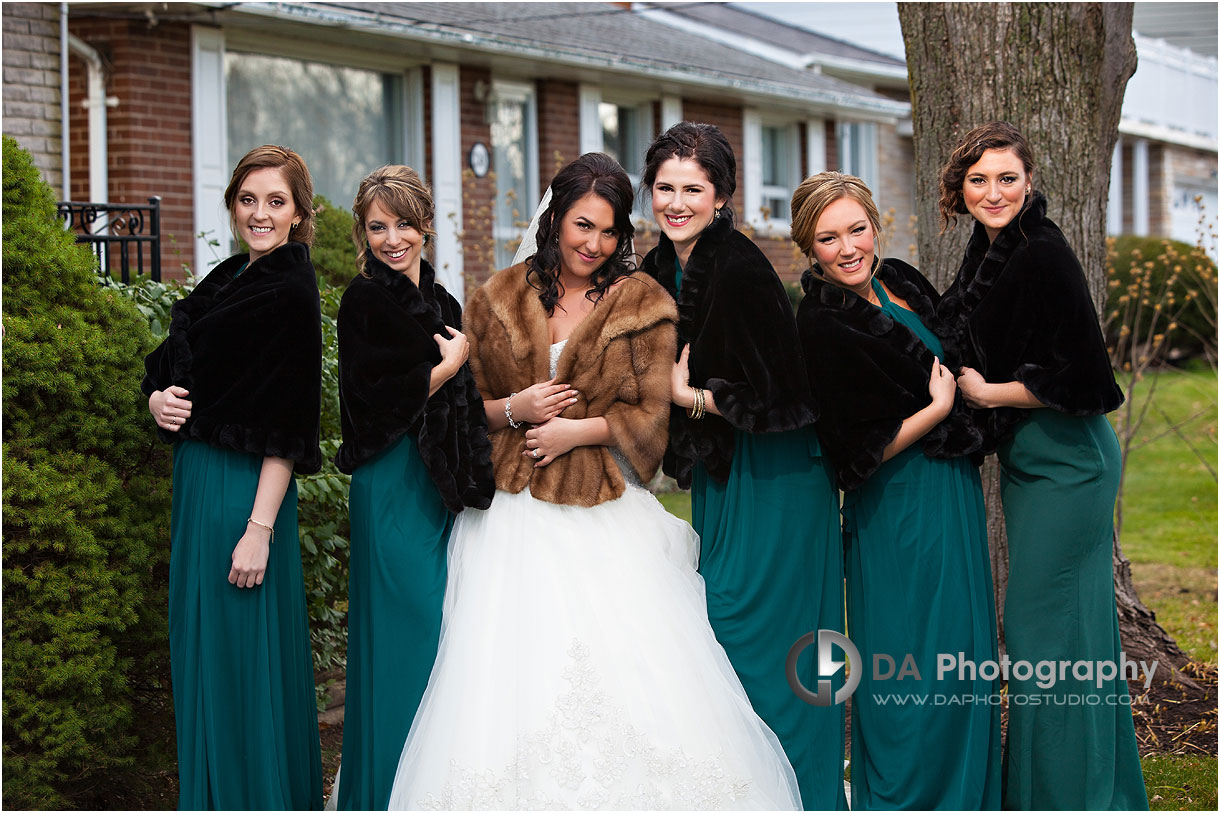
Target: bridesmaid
column 237, row 387
column 1038, row 373
column 918, row 575
column 415, row 442
column 763, row 498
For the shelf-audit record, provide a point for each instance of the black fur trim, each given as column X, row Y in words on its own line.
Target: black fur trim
column 869, row 373
column 736, row 316
column 386, row 356
column 1020, row 310
column 248, row 348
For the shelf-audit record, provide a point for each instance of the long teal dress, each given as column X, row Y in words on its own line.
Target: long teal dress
column 240, row 659
column 1070, row 746
column 919, row 586
column 773, row 568
column 400, row 532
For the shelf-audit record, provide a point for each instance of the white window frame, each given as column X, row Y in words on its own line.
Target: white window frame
column 592, row 138
column 858, row 155
column 755, row 192
column 209, row 148
column 509, row 90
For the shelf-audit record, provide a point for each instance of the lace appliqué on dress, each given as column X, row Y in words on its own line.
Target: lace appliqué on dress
column 594, row 758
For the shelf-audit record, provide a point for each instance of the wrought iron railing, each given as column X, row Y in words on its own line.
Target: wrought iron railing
column 118, row 233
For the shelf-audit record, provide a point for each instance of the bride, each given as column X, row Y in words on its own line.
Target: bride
column 577, row 668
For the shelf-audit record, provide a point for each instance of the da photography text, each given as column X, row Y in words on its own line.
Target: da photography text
column 835, row 651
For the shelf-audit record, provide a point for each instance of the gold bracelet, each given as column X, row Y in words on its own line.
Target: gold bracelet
column 263, row 525
column 696, row 410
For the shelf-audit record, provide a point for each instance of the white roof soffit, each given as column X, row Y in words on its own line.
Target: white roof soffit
column 814, row 101
column 783, row 56
column 1159, row 132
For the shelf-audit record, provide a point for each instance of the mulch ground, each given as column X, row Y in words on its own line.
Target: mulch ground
column 1173, row 718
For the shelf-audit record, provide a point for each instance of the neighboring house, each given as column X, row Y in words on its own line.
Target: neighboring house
column 1163, row 174
column 189, row 87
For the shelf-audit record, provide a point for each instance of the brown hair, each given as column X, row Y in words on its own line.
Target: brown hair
column 593, row 173
column 710, row 150
column 817, row 192
column 400, row 191
column 296, row 175
column 995, row 135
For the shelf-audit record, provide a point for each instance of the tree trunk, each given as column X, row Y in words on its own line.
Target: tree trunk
column 1057, row 71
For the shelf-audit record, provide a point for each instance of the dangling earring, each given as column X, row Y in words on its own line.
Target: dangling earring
column 716, row 215
column 1027, row 191
column 295, row 223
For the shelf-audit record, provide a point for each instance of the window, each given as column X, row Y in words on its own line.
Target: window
column 779, row 169
column 344, row 121
column 626, row 132
column 858, row 150
column 514, row 147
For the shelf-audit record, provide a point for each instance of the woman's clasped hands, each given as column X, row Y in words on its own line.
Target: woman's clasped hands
column 550, row 436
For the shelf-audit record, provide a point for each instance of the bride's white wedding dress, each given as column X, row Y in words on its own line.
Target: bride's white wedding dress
column 577, row 669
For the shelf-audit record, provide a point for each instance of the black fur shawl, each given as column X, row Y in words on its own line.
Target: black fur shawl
column 386, row 356
column 736, row 316
column 249, row 351
column 869, row 373
column 1019, row 310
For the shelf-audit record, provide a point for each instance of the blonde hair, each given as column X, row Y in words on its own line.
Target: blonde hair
column 817, row 192
column 400, row 191
column 296, row 175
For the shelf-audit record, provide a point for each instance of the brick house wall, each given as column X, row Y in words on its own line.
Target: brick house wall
column 1190, row 164
column 895, row 194
column 1159, row 190
column 478, row 194
column 31, row 85
column 558, row 128
column 149, row 133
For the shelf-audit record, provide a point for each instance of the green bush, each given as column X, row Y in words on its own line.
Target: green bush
column 323, row 513
column 86, row 513
column 333, row 255
column 1160, row 288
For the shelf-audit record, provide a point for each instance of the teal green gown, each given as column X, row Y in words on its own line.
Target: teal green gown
column 773, row 568
column 400, row 533
column 1070, row 746
column 244, row 703
column 919, row 585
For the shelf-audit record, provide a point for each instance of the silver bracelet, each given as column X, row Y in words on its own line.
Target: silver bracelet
column 508, row 412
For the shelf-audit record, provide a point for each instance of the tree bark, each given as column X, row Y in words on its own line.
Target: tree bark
column 1057, row 71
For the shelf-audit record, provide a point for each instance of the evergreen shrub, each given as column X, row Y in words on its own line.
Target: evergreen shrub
column 86, row 501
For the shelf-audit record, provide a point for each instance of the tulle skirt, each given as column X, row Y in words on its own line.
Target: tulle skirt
column 577, row 669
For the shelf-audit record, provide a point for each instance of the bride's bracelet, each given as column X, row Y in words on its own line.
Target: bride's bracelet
column 508, row 412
